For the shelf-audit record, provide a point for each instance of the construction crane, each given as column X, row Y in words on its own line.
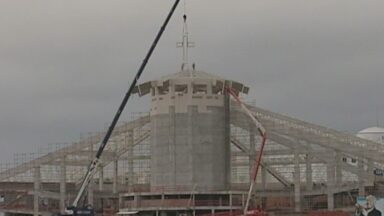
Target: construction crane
column 257, row 164
column 74, row 209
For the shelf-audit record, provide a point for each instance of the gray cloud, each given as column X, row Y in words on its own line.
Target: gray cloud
column 65, row 65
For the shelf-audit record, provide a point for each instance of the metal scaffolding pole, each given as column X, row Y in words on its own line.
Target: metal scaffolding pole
column 37, row 184
column 63, row 179
column 296, row 180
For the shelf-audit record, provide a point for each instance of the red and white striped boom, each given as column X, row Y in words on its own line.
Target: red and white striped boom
column 263, row 134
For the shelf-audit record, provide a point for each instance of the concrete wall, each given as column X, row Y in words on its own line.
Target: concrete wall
column 189, row 138
column 189, row 150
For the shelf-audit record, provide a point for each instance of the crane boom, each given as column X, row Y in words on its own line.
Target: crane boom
column 92, row 167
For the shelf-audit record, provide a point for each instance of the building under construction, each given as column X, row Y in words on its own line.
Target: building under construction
column 191, row 155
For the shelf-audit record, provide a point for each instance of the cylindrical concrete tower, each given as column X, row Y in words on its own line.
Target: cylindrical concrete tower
column 190, row 132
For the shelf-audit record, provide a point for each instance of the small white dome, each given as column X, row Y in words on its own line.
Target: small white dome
column 372, row 130
column 375, row 134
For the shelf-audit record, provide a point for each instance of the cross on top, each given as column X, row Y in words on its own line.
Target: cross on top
column 185, row 44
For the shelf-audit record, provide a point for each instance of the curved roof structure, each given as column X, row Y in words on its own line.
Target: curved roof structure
column 297, row 153
column 190, row 77
column 375, row 134
column 371, row 130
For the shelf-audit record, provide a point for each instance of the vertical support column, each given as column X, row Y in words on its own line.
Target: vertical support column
column 263, row 185
column 263, row 178
column 101, row 178
column 330, row 183
column 120, row 204
column 162, row 200
column 115, row 173
column 330, row 201
column 296, row 179
column 115, row 167
column 338, row 169
column 37, row 183
column 227, row 108
column 252, row 149
column 194, row 200
column 361, row 176
column 308, row 179
column 130, row 158
column 136, row 201
column 63, row 180
column 172, row 141
column 370, row 174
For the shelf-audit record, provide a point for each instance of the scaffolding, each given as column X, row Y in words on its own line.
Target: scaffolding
column 305, row 167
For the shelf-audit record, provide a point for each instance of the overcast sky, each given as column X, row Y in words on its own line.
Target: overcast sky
column 65, row 65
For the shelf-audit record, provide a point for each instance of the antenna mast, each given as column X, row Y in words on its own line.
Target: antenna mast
column 185, row 44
